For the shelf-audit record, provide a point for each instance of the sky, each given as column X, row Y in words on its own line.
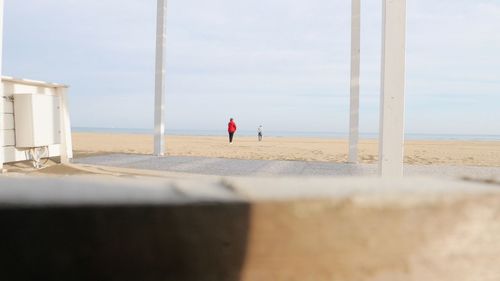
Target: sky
column 284, row 64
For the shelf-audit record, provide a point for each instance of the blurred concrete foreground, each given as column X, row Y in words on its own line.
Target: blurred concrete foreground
column 249, row 229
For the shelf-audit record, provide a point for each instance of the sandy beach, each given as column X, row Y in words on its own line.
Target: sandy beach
column 469, row 153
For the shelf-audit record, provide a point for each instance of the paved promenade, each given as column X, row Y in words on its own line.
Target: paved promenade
column 236, row 167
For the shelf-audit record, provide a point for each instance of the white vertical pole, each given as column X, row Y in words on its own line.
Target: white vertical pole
column 355, row 66
column 391, row 138
column 2, row 140
column 159, row 138
column 65, row 125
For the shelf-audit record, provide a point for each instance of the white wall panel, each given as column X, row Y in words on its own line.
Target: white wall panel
column 9, row 137
column 8, row 106
column 8, row 121
column 37, row 120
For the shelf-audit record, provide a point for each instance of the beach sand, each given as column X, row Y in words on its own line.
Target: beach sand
column 461, row 153
column 469, row 153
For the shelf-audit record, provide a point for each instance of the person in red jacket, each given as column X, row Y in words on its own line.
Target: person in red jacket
column 231, row 128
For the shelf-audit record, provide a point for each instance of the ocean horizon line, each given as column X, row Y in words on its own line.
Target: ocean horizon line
column 271, row 133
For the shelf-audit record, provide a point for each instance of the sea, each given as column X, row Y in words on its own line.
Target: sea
column 271, row 133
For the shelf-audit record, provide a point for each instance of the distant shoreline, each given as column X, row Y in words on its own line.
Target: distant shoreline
column 246, row 133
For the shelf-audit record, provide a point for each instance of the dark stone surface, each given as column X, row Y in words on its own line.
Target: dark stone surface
column 195, row 242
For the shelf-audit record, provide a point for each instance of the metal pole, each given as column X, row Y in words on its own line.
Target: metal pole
column 159, row 137
column 355, row 66
column 391, row 137
column 2, row 115
column 65, row 125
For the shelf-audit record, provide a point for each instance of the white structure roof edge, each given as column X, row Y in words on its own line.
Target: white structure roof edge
column 32, row 82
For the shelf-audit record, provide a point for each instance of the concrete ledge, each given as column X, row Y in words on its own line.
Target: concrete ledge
column 249, row 229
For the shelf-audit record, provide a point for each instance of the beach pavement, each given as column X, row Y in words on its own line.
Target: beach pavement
column 240, row 167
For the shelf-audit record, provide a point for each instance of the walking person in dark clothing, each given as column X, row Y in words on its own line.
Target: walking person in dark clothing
column 259, row 132
column 231, row 128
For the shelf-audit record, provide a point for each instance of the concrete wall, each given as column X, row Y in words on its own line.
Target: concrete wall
column 249, row 229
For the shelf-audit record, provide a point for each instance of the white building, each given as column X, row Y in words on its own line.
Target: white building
column 34, row 118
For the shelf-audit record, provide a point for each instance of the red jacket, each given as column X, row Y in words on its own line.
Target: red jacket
column 231, row 127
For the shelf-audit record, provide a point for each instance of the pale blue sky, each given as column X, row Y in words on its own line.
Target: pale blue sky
column 280, row 63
